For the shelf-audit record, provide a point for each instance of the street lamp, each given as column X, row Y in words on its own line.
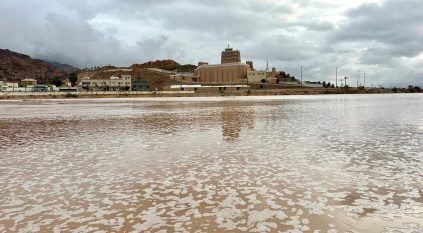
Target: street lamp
column 336, row 78
column 301, row 76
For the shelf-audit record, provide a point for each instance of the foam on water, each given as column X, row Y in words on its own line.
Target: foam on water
column 304, row 164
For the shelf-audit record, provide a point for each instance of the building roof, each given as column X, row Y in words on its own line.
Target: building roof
column 226, row 64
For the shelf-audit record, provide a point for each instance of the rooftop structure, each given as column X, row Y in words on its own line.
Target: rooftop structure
column 230, row 56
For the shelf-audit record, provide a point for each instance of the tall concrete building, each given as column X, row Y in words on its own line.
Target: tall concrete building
column 230, row 56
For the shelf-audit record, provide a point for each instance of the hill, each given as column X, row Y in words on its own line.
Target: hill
column 15, row 67
column 165, row 65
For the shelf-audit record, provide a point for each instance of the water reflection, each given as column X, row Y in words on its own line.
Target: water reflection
column 232, row 165
column 232, row 122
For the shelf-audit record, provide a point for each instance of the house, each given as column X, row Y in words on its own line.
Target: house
column 256, row 76
column 28, row 82
column 141, row 85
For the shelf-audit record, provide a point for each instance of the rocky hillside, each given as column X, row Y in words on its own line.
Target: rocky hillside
column 15, row 67
column 165, row 65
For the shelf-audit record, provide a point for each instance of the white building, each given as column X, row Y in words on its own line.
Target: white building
column 8, row 86
column 256, row 76
column 114, row 83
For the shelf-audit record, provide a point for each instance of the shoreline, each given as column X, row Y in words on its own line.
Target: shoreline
column 198, row 93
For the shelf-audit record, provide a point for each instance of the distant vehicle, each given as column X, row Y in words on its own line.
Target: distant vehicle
column 68, row 89
column 40, row 89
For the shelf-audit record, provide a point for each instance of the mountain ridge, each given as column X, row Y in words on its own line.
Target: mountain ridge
column 15, row 67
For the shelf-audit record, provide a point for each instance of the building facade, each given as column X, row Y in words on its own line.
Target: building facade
column 114, row 83
column 224, row 73
column 250, row 64
column 28, row 82
column 141, row 85
column 230, row 56
column 256, row 76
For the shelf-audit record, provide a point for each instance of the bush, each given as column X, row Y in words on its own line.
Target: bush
column 71, row 95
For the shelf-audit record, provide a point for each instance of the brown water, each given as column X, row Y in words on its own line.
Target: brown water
column 252, row 164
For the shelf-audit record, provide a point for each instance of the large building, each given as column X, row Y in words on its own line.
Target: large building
column 114, row 83
column 224, row 73
column 230, row 56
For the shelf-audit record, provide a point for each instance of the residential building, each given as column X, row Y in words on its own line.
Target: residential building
column 141, row 85
column 12, row 85
column 114, row 83
column 28, row 82
column 256, row 76
column 5, row 86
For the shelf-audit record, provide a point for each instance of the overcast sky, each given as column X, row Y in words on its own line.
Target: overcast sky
column 383, row 39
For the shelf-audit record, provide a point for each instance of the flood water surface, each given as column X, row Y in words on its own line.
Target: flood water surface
column 246, row 164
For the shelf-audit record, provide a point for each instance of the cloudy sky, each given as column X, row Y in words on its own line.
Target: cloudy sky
column 382, row 38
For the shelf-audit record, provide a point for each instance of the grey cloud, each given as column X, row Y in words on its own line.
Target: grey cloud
column 394, row 24
column 290, row 34
column 313, row 25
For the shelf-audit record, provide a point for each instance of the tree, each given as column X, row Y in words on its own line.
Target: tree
column 73, row 78
column 328, row 84
column 324, row 83
column 57, row 81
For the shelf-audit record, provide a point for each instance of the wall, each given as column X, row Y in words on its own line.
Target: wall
column 256, row 76
column 228, row 73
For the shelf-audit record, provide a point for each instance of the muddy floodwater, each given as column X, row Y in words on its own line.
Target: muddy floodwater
column 345, row 163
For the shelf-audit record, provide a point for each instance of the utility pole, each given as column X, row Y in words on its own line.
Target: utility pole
column 301, row 76
column 358, row 78
column 336, row 83
column 13, row 77
column 364, row 80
